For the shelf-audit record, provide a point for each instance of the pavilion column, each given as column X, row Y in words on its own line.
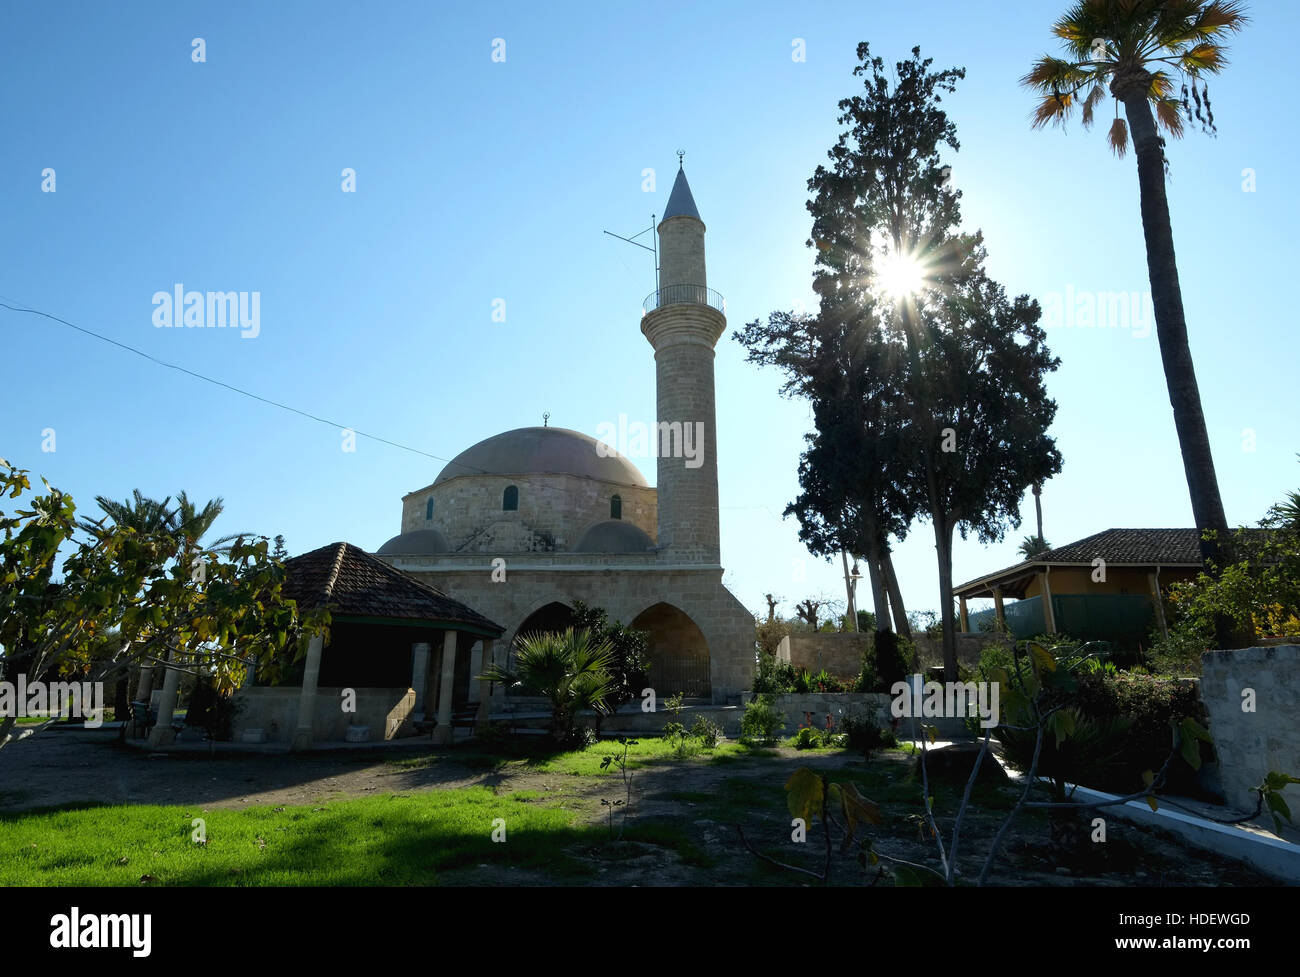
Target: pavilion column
column 964, row 615
column 144, row 687
column 443, row 733
column 162, row 733
column 475, row 670
column 486, row 654
column 997, row 609
column 1153, row 580
column 302, row 736
column 419, row 676
column 1049, row 613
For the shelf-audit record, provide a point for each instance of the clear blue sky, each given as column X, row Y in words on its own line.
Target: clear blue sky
column 479, row 180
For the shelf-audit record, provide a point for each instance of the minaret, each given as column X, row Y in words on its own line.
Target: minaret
column 683, row 320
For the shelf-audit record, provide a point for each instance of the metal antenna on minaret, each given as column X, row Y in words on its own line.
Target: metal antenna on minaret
column 653, row 250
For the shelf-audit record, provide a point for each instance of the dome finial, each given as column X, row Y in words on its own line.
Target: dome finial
column 681, row 158
column 546, row 418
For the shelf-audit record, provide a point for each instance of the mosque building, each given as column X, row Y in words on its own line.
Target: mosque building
column 524, row 523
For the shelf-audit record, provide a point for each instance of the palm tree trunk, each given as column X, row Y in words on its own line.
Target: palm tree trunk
column 1038, row 509
column 1171, row 324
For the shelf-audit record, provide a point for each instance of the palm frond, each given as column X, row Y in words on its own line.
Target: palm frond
column 1118, row 137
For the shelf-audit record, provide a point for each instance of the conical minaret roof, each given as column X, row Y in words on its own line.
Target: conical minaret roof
column 680, row 201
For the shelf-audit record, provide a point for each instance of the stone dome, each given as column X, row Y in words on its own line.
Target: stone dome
column 420, row 542
column 543, row 451
column 614, row 536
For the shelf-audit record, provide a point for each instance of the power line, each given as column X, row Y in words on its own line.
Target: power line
column 230, row 387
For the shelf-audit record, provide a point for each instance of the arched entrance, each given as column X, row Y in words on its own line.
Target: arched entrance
column 679, row 654
column 554, row 616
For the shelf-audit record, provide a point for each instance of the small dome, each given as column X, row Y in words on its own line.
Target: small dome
column 543, row 451
column 614, row 536
column 421, row 542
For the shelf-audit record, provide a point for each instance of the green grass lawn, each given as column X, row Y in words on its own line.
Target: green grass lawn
column 393, row 840
column 400, row 839
column 586, row 762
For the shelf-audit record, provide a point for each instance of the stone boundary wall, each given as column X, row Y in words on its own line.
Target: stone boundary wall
column 840, row 653
column 1250, row 744
column 969, row 645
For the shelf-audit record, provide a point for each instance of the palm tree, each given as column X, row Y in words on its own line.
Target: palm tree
column 568, row 668
column 1031, row 546
column 1137, row 50
column 141, row 513
column 192, row 523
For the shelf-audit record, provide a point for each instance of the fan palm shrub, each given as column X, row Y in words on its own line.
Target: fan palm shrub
column 569, row 668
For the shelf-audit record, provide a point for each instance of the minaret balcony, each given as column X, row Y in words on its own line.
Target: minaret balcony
column 683, row 295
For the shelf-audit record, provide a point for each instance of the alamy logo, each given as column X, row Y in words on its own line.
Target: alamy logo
column 53, row 700
column 952, row 700
column 1083, row 309
column 211, row 310
column 74, row 931
column 667, row 439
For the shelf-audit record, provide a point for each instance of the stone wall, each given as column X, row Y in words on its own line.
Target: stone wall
column 553, row 509
column 274, row 710
column 840, row 705
column 1252, row 743
column 839, row 653
column 929, row 649
column 624, row 586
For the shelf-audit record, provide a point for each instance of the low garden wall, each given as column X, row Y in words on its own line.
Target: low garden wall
column 840, row 705
column 1251, row 742
column 274, row 710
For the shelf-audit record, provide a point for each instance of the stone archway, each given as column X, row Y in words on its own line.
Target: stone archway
column 555, row 616
column 679, row 653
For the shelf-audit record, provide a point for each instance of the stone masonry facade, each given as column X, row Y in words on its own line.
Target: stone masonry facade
column 554, row 509
column 1251, row 696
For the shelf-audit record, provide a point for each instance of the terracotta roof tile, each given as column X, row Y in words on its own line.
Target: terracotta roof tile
column 355, row 583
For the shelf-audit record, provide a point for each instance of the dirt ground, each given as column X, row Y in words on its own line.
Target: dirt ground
column 707, row 800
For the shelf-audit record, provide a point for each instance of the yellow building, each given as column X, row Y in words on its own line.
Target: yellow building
column 1109, row 586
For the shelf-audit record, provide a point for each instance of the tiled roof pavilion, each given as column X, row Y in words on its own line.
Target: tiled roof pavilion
column 361, row 588
column 1172, row 548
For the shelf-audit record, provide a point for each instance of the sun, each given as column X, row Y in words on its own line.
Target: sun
column 900, row 275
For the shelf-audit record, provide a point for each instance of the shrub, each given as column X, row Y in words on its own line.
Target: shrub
column 580, row 737
column 210, row 710
column 628, row 666
column 867, row 679
column 1093, row 754
column 761, row 721
column 707, row 732
column 863, row 735
column 1179, row 652
column 1122, row 730
column 824, row 681
column 802, row 681
column 808, row 739
column 773, row 677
